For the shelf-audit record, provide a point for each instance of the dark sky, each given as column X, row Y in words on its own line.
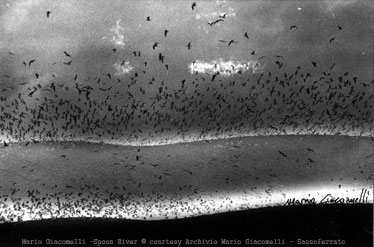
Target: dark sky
column 89, row 30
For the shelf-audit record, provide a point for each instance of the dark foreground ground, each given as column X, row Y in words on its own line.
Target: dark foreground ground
column 352, row 224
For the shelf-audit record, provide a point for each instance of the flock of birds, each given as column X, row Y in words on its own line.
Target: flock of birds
column 142, row 109
column 119, row 204
column 149, row 187
column 302, row 101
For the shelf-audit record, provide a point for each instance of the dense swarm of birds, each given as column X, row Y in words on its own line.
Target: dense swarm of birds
column 159, row 196
column 142, row 109
column 126, row 206
column 304, row 101
column 201, row 107
column 170, row 193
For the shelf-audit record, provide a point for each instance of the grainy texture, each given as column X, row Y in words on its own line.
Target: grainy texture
column 179, row 180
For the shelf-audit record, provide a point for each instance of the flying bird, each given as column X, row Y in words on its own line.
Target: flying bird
column 279, row 64
column 278, row 56
column 48, row 13
column 193, row 6
column 340, row 28
column 223, row 16
column 31, row 61
column 246, row 35
column 166, row 32
column 189, row 45
column 314, row 64
column 214, row 76
column 293, row 27
column 161, row 57
column 332, row 66
column 232, row 42
column 332, row 39
column 214, row 22
column 155, row 45
column 283, row 154
column 148, row 18
column 67, row 54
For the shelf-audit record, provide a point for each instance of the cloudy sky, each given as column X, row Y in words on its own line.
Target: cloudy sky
column 88, row 30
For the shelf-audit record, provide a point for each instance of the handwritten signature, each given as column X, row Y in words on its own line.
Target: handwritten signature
column 329, row 199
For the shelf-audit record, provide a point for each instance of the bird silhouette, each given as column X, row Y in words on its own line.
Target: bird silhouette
column 161, row 57
column 166, row 33
column 193, row 6
column 32, row 61
column 279, row 64
column 293, row 27
column 48, row 13
column 332, row 66
column 214, row 76
column 215, row 22
column 246, row 35
column 232, row 42
column 223, row 16
column 283, row 154
column 155, row 45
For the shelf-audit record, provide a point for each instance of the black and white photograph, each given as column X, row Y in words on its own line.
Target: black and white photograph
column 186, row 123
